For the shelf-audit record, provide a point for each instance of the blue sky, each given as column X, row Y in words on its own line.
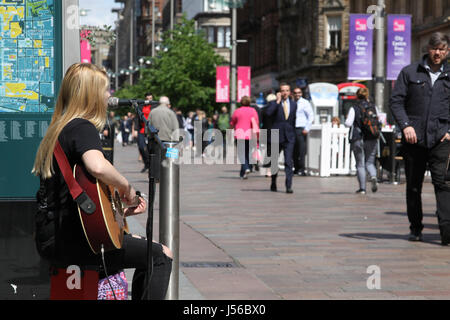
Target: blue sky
column 99, row 12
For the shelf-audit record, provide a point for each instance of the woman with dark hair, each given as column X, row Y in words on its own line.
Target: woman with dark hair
column 243, row 121
column 363, row 148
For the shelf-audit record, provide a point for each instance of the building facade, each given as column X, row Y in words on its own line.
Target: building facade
column 428, row 16
column 258, row 24
column 145, row 24
column 213, row 18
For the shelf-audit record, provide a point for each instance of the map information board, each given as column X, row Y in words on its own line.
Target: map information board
column 30, row 75
column 27, row 67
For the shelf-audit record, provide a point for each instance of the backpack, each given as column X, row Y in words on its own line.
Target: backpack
column 370, row 124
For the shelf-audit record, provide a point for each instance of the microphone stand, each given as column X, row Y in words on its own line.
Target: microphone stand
column 154, row 148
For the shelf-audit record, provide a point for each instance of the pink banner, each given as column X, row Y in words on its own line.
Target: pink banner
column 85, row 47
column 223, row 85
column 244, row 82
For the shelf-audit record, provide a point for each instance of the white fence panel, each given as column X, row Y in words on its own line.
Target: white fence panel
column 332, row 149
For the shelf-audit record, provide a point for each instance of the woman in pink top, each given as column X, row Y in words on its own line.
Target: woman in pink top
column 241, row 122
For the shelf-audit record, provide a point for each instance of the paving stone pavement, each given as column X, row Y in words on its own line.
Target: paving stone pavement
column 239, row 241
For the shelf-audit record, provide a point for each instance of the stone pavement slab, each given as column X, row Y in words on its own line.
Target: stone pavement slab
column 315, row 244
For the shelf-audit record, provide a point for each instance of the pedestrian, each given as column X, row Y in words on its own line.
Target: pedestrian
column 189, row 127
column 164, row 120
column 80, row 113
column 336, row 122
column 241, row 122
column 223, row 124
column 303, row 123
column 420, row 105
column 283, row 112
column 267, row 125
column 125, row 129
column 364, row 147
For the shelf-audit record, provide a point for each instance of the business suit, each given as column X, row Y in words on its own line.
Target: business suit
column 287, row 135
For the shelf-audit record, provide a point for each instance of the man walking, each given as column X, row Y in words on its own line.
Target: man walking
column 420, row 104
column 303, row 123
column 283, row 113
column 164, row 119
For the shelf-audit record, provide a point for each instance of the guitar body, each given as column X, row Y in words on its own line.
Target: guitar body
column 106, row 226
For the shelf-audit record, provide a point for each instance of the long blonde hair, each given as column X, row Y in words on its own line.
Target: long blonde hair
column 82, row 95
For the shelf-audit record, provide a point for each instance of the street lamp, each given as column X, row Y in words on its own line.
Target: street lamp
column 119, row 18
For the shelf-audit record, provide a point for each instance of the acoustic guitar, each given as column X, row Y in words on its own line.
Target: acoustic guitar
column 107, row 224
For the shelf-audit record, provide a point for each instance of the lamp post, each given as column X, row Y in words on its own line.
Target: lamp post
column 119, row 18
column 131, row 38
column 380, row 61
column 234, row 42
column 153, row 28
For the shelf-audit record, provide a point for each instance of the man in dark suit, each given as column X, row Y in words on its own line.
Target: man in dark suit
column 283, row 113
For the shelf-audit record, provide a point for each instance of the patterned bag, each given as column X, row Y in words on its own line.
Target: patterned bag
column 118, row 282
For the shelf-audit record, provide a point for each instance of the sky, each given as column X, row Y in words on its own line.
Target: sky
column 99, row 12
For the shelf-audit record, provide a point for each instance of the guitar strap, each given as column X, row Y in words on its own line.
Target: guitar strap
column 78, row 194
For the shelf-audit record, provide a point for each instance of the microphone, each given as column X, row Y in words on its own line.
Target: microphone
column 116, row 102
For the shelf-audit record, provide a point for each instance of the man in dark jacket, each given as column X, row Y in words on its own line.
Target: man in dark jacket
column 283, row 114
column 420, row 104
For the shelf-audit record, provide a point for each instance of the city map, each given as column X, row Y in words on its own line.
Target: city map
column 27, row 69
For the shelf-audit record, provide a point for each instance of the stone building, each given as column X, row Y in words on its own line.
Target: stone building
column 428, row 16
column 145, row 24
column 213, row 17
column 293, row 40
column 258, row 23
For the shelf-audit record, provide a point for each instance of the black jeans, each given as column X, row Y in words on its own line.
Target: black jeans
column 300, row 150
column 133, row 255
column 243, row 149
column 142, row 145
column 416, row 160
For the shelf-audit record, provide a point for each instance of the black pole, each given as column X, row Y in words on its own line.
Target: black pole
column 154, row 147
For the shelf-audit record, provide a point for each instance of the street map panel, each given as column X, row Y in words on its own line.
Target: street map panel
column 27, row 71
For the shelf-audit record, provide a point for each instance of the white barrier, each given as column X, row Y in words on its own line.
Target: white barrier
column 329, row 151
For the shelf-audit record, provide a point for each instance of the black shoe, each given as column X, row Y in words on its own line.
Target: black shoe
column 273, row 187
column 414, row 237
column 374, row 184
column 289, row 191
column 144, row 170
column 361, row 191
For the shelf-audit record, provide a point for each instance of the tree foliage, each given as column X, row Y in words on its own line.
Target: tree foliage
column 184, row 70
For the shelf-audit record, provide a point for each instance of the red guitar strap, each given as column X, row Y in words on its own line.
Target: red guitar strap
column 78, row 194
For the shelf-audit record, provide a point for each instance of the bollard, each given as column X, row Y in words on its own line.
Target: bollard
column 169, row 212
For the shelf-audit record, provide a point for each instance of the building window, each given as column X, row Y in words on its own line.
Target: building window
column 334, row 32
column 220, row 36
column 211, row 35
column 215, row 6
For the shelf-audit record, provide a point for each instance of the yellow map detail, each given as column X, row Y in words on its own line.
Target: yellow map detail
column 18, row 90
column 8, row 14
column 7, row 72
column 16, row 30
column 38, row 44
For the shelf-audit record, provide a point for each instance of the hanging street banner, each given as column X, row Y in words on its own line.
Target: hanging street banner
column 244, row 82
column 85, row 47
column 399, row 44
column 360, row 48
column 223, row 84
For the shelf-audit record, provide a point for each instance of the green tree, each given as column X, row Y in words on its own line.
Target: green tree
column 184, row 70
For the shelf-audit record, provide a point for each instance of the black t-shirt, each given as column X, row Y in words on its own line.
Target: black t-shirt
column 77, row 137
